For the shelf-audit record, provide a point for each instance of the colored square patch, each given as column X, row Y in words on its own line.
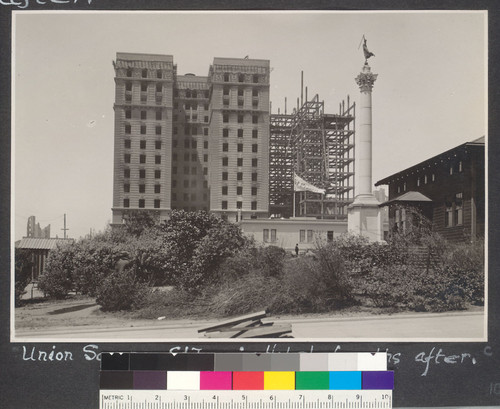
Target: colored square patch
column 248, row 381
column 312, row 380
column 279, row 381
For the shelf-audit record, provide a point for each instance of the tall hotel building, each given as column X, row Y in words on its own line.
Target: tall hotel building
column 191, row 142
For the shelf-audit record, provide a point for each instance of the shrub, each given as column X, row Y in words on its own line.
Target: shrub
column 252, row 292
column 57, row 280
column 465, row 263
column 120, row 291
column 94, row 259
column 23, row 266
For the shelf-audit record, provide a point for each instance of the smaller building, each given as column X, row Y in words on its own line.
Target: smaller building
column 448, row 189
column 286, row 233
column 39, row 249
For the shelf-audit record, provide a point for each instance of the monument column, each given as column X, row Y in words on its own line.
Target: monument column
column 363, row 215
column 363, row 149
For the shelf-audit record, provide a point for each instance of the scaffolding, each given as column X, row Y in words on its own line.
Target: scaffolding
column 319, row 148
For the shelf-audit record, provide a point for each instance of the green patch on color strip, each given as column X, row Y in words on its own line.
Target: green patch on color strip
column 312, row 380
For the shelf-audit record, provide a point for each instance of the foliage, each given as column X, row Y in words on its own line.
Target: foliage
column 57, row 280
column 23, row 266
column 136, row 222
column 94, row 260
column 196, row 244
column 120, row 291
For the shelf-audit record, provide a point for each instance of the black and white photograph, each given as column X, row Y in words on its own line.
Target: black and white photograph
column 222, row 175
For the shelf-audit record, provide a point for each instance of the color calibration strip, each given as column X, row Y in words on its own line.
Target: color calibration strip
column 246, row 380
column 245, row 371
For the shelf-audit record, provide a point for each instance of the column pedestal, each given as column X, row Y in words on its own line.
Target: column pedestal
column 364, row 218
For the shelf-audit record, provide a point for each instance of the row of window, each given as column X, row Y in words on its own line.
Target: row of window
column 239, row 161
column 241, row 92
column 424, row 179
column 142, row 188
column 142, row 173
column 144, row 98
column 193, row 143
column 144, row 114
column 239, row 190
column 239, row 147
column 189, row 130
column 193, row 157
column 241, row 78
column 190, row 118
column 305, row 236
column 240, row 133
column 142, row 144
column 188, row 197
column 144, row 87
column 188, row 93
column 239, row 176
column 255, row 103
column 239, row 205
column 142, row 158
column 240, row 118
column 128, row 129
column 142, row 203
column 190, row 106
column 454, row 212
column 145, row 73
column 189, row 171
column 187, row 184
column 458, row 167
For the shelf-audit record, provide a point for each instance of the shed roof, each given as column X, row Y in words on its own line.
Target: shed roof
column 34, row 243
column 407, row 197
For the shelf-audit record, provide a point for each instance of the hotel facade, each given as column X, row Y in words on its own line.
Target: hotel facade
column 191, row 142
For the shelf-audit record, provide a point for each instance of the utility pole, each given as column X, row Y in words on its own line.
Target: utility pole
column 64, row 229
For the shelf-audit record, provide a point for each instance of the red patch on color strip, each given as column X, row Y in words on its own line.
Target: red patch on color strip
column 248, row 381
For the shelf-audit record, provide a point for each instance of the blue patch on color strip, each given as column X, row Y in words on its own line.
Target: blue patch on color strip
column 345, row 380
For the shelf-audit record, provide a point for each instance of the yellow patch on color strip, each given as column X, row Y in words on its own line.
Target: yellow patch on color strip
column 279, row 381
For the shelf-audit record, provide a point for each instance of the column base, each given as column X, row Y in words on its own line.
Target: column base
column 364, row 218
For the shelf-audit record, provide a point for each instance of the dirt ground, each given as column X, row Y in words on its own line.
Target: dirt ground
column 75, row 311
column 80, row 311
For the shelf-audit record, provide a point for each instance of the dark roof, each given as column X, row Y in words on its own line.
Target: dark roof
column 408, row 197
column 33, row 243
column 479, row 142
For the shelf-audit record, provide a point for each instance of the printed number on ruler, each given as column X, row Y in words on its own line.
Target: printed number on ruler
column 306, row 399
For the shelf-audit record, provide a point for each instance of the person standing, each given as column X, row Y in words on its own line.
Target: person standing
column 297, row 249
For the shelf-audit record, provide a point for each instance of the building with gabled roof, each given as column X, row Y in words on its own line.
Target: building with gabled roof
column 448, row 189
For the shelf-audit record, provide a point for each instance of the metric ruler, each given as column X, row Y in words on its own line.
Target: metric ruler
column 232, row 399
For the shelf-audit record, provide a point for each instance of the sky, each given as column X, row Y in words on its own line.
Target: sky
column 430, row 94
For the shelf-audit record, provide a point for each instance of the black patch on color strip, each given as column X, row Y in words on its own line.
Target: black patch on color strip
column 114, row 361
column 116, row 380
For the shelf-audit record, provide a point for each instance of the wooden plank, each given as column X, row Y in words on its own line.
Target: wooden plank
column 234, row 321
column 242, row 326
column 267, row 331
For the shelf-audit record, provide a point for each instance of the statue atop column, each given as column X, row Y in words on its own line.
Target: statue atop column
column 367, row 53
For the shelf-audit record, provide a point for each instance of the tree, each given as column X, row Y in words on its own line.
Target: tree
column 23, row 266
column 139, row 221
column 57, row 280
column 195, row 244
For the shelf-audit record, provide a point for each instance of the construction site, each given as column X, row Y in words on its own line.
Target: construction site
column 317, row 147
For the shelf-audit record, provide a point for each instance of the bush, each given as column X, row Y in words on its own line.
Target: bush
column 120, row 291
column 23, row 266
column 94, row 259
column 57, row 280
column 252, row 292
